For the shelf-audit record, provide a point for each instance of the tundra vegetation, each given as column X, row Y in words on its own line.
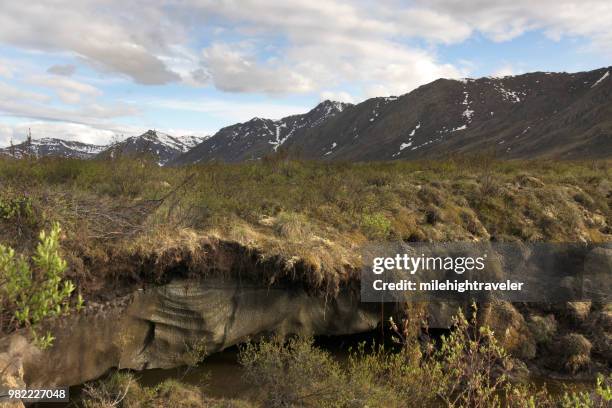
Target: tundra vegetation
column 129, row 222
column 132, row 209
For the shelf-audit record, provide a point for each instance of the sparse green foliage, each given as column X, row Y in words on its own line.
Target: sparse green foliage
column 604, row 388
column 292, row 373
column 196, row 352
column 466, row 368
column 599, row 398
column 15, row 207
column 468, row 355
column 376, row 225
column 119, row 390
column 34, row 290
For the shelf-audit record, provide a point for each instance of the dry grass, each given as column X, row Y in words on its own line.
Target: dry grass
column 129, row 221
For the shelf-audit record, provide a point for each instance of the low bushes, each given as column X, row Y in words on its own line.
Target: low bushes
column 32, row 290
column 466, row 368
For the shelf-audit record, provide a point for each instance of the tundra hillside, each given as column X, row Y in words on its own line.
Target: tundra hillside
column 307, row 216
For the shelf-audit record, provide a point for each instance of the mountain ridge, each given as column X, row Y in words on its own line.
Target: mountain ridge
column 531, row 115
column 537, row 114
column 161, row 146
column 258, row 137
column 54, row 147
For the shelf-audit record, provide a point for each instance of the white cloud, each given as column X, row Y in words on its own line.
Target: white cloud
column 233, row 70
column 6, row 69
column 91, row 118
column 86, row 114
column 6, row 134
column 326, row 44
column 63, row 70
column 69, row 91
column 502, row 20
column 121, row 38
column 313, row 42
column 116, row 36
column 340, row 96
column 10, row 93
column 430, row 25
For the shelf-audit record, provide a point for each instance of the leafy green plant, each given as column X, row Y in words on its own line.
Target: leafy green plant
column 376, row 225
column 599, row 398
column 469, row 355
column 15, row 207
column 604, row 387
column 35, row 289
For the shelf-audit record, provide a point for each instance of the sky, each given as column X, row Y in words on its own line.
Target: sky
column 101, row 70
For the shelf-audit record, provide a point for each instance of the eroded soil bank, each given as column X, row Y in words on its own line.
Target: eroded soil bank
column 157, row 327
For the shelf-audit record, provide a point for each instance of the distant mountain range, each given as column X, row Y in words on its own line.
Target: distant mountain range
column 161, row 146
column 540, row 114
column 54, row 147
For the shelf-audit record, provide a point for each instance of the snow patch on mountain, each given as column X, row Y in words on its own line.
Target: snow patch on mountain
column 284, row 128
column 333, row 146
column 467, row 113
column 380, row 102
column 600, row 80
column 278, row 140
column 509, row 95
column 191, row 141
column 408, row 143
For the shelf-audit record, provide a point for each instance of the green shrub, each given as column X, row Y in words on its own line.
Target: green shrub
column 292, row 373
column 466, row 368
column 601, row 397
column 16, row 207
column 34, row 290
column 376, row 225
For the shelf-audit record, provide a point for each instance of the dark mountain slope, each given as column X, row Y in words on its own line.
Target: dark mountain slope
column 258, row 137
column 532, row 115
